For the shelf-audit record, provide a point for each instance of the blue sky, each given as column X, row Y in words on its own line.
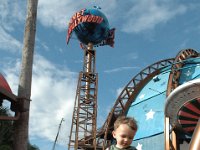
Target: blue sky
column 147, row 31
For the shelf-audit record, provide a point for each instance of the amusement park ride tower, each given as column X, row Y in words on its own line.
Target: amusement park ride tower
column 92, row 29
column 85, row 107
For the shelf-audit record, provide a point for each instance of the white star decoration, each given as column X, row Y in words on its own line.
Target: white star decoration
column 188, row 73
column 142, row 96
column 139, row 146
column 150, row 114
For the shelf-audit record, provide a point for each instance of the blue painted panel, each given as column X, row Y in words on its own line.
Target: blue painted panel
column 150, row 100
column 149, row 126
column 189, row 72
column 152, row 143
column 153, row 88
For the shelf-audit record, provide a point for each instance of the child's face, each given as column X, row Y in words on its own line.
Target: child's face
column 124, row 136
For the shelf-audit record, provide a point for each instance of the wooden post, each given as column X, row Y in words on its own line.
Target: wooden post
column 167, row 138
column 24, row 89
column 174, row 143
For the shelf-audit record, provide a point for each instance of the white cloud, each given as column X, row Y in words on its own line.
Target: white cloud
column 109, row 107
column 44, row 45
column 132, row 56
column 57, row 13
column 11, row 13
column 145, row 14
column 119, row 90
column 8, row 42
column 119, row 69
column 11, row 71
column 54, row 13
column 53, row 94
column 136, row 16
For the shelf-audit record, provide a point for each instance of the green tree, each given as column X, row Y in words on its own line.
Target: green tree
column 5, row 147
column 32, row 147
column 6, row 133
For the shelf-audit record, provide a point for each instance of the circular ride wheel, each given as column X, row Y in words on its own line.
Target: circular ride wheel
column 183, row 106
column 180, row 98
column 189, row 114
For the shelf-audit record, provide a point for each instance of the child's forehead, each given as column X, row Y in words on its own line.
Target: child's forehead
column 124, row 127
column 130, row 124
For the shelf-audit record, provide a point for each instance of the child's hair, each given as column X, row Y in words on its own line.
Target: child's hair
column 130, row 121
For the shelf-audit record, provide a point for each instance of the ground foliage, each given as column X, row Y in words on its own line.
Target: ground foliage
column 6, row 133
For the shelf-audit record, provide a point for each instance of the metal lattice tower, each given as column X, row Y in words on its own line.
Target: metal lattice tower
column 83, row 127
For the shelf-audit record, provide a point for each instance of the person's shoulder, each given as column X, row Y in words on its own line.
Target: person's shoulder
column 131, row 148
column 111, row 147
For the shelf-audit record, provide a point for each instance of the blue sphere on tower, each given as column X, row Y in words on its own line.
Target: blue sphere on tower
column 91, row 26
